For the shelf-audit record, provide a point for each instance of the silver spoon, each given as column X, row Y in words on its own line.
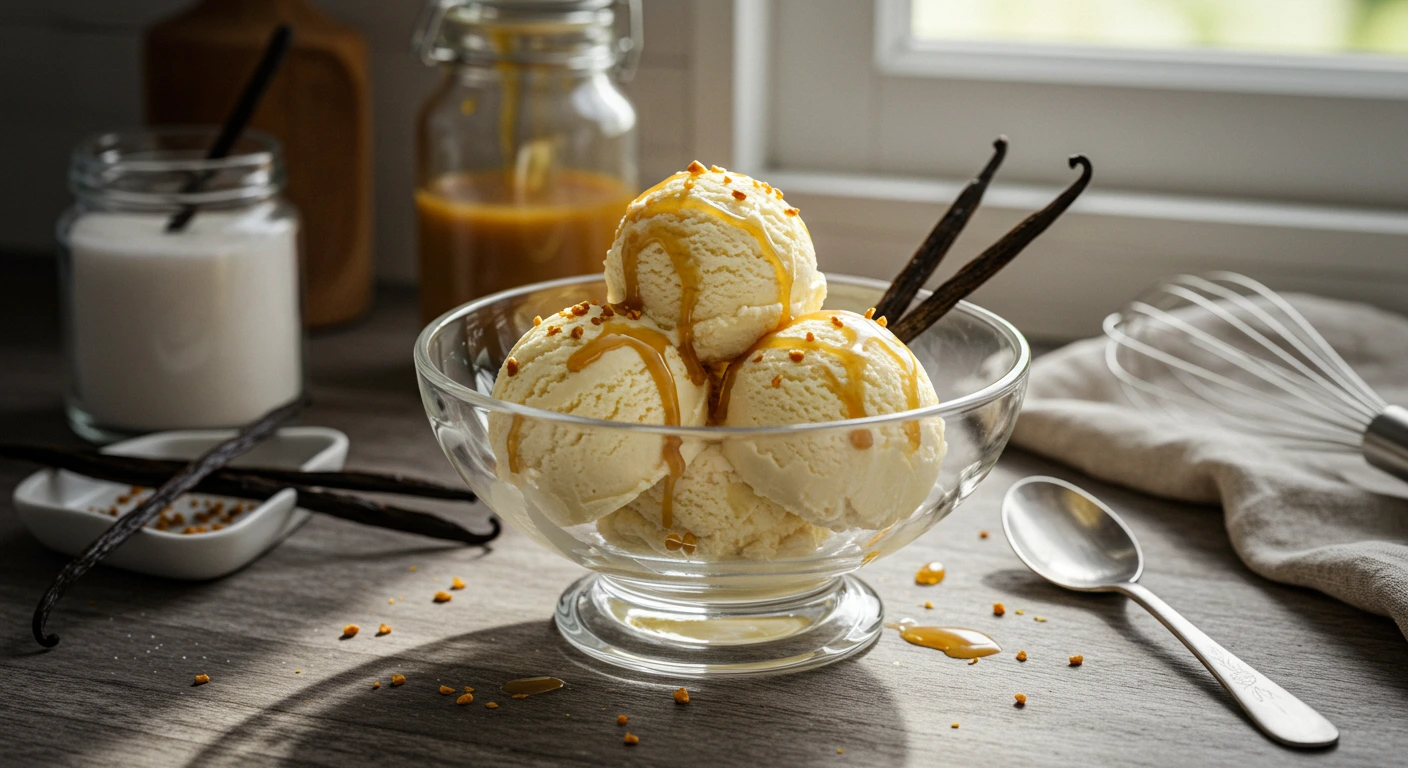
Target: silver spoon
column 1072, row 540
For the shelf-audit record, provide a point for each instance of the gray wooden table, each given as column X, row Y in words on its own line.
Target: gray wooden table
column 117, row 691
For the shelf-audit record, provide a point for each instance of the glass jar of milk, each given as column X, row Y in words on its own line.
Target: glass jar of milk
column 171, row 324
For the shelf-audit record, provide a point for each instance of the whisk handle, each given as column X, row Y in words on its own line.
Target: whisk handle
column 1386, row 441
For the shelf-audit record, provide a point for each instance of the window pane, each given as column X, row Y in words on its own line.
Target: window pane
column 1298, row 27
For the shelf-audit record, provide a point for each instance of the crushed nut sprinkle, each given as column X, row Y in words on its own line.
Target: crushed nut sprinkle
column 998, row 609
column 1077, row 660
column 492, row 705
column 739, row 195
column 398, row 679
column 695, row 168
column 577, row 332
column 537, row 321
column 796, row 355
column 1021, row 655
column 777, row 381
column 633, row 314
column 553, row 330
column 681, row 696
column 596, row 320
column 456, row 583
column 622, row 719
column 581, row 309
column 1021, row 699
column 607, row 311
column 631, row 739
column 202, row 679
column 351, row 630
column 443, row 597
column 384, row 629
column 446, row 690
column 511, row 365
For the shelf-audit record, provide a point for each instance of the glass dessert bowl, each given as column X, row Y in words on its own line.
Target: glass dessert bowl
column 719, row 550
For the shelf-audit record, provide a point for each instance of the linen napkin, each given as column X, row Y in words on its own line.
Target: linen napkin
column 1313, row 518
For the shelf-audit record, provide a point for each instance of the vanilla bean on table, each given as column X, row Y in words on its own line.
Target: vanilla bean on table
column 998, row 255
column 123, row 528
column 932, row 251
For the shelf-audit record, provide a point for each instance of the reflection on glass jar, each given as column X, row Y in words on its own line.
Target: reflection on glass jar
column 527, row 151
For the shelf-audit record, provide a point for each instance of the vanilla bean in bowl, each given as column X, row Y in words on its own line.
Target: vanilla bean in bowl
column 123, row 528
column 976, row 272
column 932, row 251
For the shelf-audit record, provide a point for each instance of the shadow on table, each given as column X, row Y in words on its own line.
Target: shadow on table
column 799, row 718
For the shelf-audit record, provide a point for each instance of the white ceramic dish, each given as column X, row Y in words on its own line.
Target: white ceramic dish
column 62, row 508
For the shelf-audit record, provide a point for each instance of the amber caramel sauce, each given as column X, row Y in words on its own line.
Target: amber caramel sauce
column 930, row 574
column 955, row 642
column 530, row 686
column 685, row 267
column 481, row 233
column 858, row 332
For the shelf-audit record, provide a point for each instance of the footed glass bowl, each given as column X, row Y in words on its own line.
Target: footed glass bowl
column 738, row 583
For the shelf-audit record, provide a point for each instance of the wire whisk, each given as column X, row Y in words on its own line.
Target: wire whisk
column 1223, row 348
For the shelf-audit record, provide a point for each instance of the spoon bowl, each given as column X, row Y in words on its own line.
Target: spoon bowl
column 1068, row 536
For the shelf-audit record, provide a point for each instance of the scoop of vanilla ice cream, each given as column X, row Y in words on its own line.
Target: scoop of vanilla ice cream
column 716, row 255
column 829, row 366
column 715, row 516
column 593, row 362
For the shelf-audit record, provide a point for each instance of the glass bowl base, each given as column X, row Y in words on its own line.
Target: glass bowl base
column 608, row 620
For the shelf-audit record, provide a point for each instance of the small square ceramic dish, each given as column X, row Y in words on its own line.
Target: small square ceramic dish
column 67, row 511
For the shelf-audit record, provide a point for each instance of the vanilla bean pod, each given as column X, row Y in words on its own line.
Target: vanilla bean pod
column 932, row 251
column 123, row 528
column 976, row 272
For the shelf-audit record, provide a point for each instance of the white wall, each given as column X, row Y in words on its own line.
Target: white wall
column 69, row 68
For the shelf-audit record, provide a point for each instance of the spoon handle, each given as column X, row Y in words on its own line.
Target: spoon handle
column 1280, row 715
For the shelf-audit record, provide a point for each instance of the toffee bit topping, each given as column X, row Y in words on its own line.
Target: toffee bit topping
column 982, row 534
column 376, row 684
column 998, row 609
column 717, row 169
column 1038, row 618
column 631, row 739
column 777, row 381
column 456, row 583
column 971, row 662
column 1021, row 655
column 202, row 679
column 792, row 211
column 537, row 321
column 681, row 696
column 633, row 314
column 581, row 309
column 929, row 605
column 554, row 330
column 836, row 321
column 755, row 183
column 796, row 355
column 607, row 311
column 881, row 321
column 397, row 680
column 351, row 630
column 1020, row 611
column 767, row 187
column 577, row 332
column 1077, row 660
column 465, row 699
column 738, row 195
column 1021, row 699
column 622, row 719
column 953, row 725
column 777, row 193
column 596, row 320
column 728, row 179
column 492, row 705
column 689, row 183
column 511, row 365
column 443, row 597
column 811, row 336
column 446, row 690
column 758, row 358
column 695, row 168
column 870, row 313
column 384, row 629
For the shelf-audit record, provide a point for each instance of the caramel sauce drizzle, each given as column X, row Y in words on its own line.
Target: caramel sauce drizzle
column 677, row 543
column 529, row 686
column 955, row 642
column 858, row 332
column 684, row 266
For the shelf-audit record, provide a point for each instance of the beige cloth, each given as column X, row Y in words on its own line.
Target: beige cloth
column 1315, row 519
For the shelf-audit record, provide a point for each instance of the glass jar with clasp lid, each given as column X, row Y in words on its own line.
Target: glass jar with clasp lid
column 527, row 150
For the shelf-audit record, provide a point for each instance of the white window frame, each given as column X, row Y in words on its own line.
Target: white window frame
column 897, row 52
column 1108, row 247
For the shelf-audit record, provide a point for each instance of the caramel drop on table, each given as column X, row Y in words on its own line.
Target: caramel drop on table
column 929, row 574
column 529, row 686
column 955, row 642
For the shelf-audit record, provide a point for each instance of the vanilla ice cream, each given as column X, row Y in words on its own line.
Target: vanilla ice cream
column 829, row 366
column 716, row 516
column 593, row 362
column 717, row 256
